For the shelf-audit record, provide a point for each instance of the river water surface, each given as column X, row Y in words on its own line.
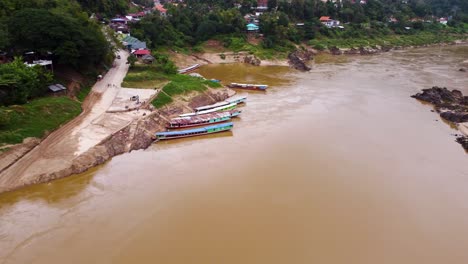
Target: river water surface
column 338, row 165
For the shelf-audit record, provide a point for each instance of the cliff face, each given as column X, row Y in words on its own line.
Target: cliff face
column 137, row 135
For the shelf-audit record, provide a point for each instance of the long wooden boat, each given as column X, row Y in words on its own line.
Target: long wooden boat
column 202, row 120
column 194, row 132
column 213, row 110
column 232, row 100
column 189, row 69
column 258, row 87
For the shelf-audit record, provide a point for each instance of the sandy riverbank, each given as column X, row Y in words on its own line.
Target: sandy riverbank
column 110, row 124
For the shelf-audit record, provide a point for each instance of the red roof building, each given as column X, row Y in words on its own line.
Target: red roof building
column 262, row 3
column 161, row 9
column 141, row 52
column 325, row 18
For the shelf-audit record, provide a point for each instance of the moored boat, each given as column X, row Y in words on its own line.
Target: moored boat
column 238, row 99
column 189, row 69
column 231, row 100
column 258, row 87
column 194, row 132
column 201, row 120
column 216, row 109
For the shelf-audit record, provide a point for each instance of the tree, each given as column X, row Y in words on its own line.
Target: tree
column 272, row 4
column 4, row 118
column 18, row 82
column 131, row 60
column 73, row 41
column 4, row 38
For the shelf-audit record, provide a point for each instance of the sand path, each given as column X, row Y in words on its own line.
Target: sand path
column 57, row 151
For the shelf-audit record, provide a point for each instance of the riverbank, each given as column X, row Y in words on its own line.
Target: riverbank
column 98, row 134
column 109, row 125
column 214, row 53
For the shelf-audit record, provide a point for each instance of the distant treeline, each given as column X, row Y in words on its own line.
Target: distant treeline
column 58, row 30
column 194, row 21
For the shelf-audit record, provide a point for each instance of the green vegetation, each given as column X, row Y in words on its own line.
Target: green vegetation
column 35, row 118
column 417, row 39
column 57, row 30
column 181, row 84
column 19, row 82
column 84, row 91
column 150, row 76
column 191, row 24
column 162, row 100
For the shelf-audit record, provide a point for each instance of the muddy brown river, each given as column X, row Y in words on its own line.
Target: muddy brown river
column 335, row 166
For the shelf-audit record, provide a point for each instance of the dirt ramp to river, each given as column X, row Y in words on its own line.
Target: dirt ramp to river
column 138, row 134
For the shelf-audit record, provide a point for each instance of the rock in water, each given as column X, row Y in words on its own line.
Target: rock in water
column 451, row 105
column 441, row 97
column 252, row 60
column 297, row 60
column 455, row 117
column 463, row 140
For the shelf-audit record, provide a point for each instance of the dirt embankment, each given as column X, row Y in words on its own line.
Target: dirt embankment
column 451, row 105
column 137, row 135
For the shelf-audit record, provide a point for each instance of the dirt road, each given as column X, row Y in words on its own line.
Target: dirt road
column 59, row 149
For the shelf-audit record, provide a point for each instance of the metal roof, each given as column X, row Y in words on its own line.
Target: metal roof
column 57, row 87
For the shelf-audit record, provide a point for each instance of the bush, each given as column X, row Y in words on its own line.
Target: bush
column 4, row 118
column 319, row 47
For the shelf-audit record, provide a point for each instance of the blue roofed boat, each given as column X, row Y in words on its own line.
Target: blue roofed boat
column 194, row 132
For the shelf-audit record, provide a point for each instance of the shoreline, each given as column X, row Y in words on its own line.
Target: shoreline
column 204, row 58
column 136, row 133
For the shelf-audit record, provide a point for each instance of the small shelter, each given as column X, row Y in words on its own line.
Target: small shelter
column 148, row 59
column 57, row 88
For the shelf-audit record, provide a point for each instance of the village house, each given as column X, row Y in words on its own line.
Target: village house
column 330, row 23
column 443, row 20
column 135, row 16
column 262, row 6
column 161, row 9
column 133, row 43
column 141, row 52
column 392, row 20
column 252, row 28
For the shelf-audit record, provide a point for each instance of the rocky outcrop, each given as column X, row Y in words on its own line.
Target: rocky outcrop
column 335, row 50
column 455, row 117
column 443, row 98
column 299, row 58
column 451, row 105
column 463, row 140
column 251, row 59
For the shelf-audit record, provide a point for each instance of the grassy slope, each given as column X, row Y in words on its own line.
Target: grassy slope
column 81, row 95
column 37, row 117
column 144, row 76
column 419, row 39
